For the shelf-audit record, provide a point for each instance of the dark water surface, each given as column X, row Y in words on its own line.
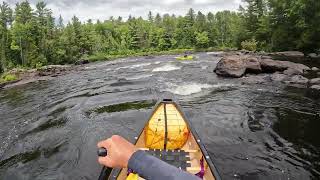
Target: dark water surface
column 49, row 130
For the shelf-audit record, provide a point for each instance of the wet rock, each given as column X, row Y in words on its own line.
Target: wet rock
column 292, row 72
column 315, row 69
column 315, row 81
column 253, row 65
column 231, row 66
column 82, row 61
column 299, row 67
column 270, row 66
column 317, row 87
column 297, row 79
column 313, row 55
column 279, row 77
column 266, row 57
column 255, row 79
column 292, row 54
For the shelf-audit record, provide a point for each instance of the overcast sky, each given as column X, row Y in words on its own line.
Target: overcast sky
column 103, row 9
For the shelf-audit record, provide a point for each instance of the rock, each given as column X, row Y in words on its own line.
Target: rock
column 317, row 87
column 255, row 79
column 292, row 72
column 299, row 67
column 318, row 73
column 82, row 61
column 253, row 65
column 52, row 70
column 266, row 57
column 231, row 66
column 313, row 55
column 315, row 81
column 270, row 66
column 315, row 69
column 279, row 77
column 294, row 54
column 298, row 79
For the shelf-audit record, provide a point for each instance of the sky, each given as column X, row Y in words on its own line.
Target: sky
column 103, row 9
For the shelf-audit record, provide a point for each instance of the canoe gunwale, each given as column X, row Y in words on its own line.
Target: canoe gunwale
column 112, row 174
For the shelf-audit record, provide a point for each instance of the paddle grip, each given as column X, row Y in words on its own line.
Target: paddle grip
column 102, row 152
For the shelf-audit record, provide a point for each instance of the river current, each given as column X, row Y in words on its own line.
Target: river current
column 49, row 129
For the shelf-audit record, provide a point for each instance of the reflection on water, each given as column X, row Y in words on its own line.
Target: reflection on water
column 125, row 106
column 49, row 130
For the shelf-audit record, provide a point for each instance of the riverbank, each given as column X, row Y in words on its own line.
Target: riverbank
column 20, row 76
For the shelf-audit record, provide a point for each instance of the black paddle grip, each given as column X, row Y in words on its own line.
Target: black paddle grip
column 102, row 152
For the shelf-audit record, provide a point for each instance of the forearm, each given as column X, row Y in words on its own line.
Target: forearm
column 152, row 168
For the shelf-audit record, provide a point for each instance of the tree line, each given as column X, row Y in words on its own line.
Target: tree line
column 33, row 37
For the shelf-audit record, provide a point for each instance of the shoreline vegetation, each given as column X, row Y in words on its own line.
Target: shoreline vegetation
column 34, row 41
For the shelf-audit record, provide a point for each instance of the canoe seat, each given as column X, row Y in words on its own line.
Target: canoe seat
column 177, row 158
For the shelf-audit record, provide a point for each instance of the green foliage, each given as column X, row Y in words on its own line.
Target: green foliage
column 29, row 37
column 8, row 78
column 250, row 45
column 202, row 40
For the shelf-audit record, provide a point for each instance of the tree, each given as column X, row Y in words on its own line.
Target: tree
column 202, row 39
column 150, row 17
column 5, row 20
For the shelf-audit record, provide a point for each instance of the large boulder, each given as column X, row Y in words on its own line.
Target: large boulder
column 231, row 66
column 253, row 65
column 299, row 67
column 315, row 81
column 270, row 66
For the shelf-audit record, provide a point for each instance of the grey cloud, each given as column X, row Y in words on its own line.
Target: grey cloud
column 103, row 9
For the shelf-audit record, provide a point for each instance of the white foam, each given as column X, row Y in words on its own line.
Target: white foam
column 187, row 89
column 204, row 67
column 139, row 77
column 140, row 65
column 167, row 67
column 192, row 88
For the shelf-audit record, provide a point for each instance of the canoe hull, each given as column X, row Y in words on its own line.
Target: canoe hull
column 196, row 151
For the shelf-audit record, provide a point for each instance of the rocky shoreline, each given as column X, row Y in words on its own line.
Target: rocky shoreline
column 33, row 75
column 259, row 68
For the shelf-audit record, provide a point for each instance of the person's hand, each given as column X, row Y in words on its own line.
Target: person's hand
column 119, row 152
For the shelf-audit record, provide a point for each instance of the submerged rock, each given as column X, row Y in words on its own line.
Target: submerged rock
column 292, row 72
column 231, row 66
column 279, row 77
column 298, row 79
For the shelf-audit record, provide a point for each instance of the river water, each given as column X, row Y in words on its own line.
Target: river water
column 49, row 129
